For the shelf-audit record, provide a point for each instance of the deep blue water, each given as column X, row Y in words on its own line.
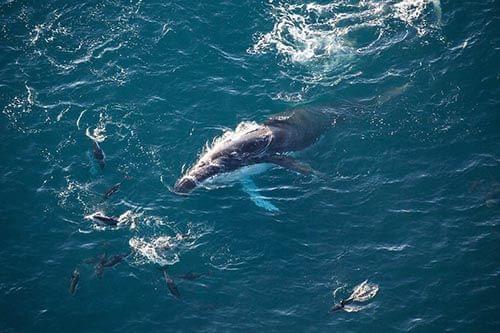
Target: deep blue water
column 410, row 203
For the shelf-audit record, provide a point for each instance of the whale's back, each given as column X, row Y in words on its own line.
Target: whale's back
column 299, row 129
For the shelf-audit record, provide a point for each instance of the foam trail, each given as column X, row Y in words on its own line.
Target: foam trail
column 251, row 188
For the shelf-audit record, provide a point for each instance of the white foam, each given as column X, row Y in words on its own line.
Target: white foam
column 394, row 248
column 412, row 12
column 364, row 291
column 98, row 134
column 301, row 33
column 30, row 98
column 305, row 33
column 361, row 293
column 231, row 135
column 161, row 250
column 61, row 114
column 129, row 218
column 355, row 307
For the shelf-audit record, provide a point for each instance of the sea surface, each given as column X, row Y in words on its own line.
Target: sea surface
column 409, row 201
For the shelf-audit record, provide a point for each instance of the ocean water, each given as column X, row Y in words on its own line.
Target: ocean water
column 410, row 201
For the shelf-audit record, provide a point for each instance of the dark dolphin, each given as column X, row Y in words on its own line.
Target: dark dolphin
column 98, row 154
column 107, row 262
column 265, row 143
column 190, row 276
column 115, row 259
column 112, row 190
column 75, row 278
column 104, row 220
column 342, row 304
column 171, row 285
column 99, row 267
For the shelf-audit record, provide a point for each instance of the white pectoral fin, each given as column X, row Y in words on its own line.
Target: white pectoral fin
column 251, row 188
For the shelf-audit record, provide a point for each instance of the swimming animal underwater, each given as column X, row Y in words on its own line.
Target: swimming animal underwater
column 104, row 261
column 190, row 276
column 115, row 259
column 98, row 154
column 172, row 287
column 112, row 190
column 75, row 278
column 252, row 144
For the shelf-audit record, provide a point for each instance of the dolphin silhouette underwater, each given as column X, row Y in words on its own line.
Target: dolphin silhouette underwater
column 253, row 144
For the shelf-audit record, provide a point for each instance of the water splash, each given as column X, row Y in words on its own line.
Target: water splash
column 302, row 33
column 413, row 13
column 361, row 293
column 98, row 134
column 129, row 218
column 329, row 39
column 355, row 308
column 231, row 135
column 162, row 250
column 305, row 32
column 364, row 291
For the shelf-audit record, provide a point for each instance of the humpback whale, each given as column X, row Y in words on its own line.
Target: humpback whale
column 267, row 143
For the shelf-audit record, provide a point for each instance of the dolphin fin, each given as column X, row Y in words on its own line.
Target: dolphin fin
column 290, row 163
column 251, row 189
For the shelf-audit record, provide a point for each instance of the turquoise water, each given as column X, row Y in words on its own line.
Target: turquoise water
column 410, row 201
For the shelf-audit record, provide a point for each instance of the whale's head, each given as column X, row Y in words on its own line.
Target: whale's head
column 227, row 153
column 184, row 185
column 201, row 171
